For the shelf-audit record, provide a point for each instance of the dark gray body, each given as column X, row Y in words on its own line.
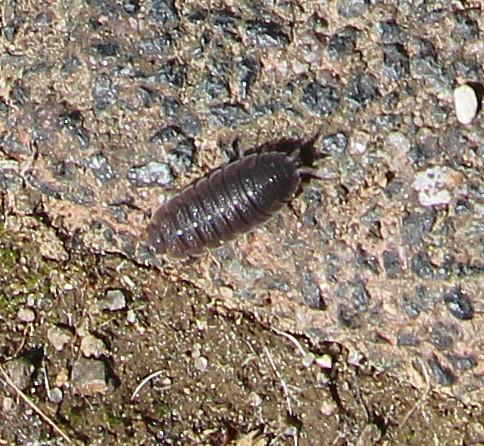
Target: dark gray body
column 232, row 200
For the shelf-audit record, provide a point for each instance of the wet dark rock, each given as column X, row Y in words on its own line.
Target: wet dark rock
column 352, row 8
column 421, row 265
column 425, row 64
column 229, row 115
column 407, row 339
column 48, row 189
column 411, row 307
column 395, row 188
column 82, row 136
column 196, row 16
column 416, row 225
column 320, row 99
column 312, row 295
column 189, row 123
column 166, row 134
column 466, row 27
column 70, row 119
column 81, row 195
column 100, row 167
column 462, row 206
column 153, row 173
column 247, row 71
column 88, row 376
column 361, row 90
column 163, row 11
column 342, row 42
column 334, row 144
column 170, row 106
column 172, row 73
column 266, row 34
column 225, row 21
column 348, row 316
column 462, row 362
column 459, row 304
column 455, row 144
column 182, row 154
column 333, row 265
column 9, row 179
column 442, row 374
column 104, row 93
column 11, row 145
column 360, row 297
column 107, row 49
column 19, row 94
column 10, row 31
column 395, row 60
column 424, row 298
column 148, row 97
column 386, row 122
column 366, row 260
column 391, row 33
column 320, row 28
column 420, row 154
column 442, row 336
column 3, row 108
column 467, row 69
column 131, row 6
column 156, row 46
column 215, row 86
column 391, row 263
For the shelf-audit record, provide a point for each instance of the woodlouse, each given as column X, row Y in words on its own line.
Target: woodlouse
column 231, row 200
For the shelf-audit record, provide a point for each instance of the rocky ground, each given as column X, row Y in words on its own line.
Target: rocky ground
column 353, row 317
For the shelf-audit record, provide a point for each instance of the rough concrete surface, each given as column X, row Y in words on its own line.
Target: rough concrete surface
column 107, row 108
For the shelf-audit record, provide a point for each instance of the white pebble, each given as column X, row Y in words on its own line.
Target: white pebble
column 435, row 185
column 359, row 142
column 25, row 315
column 465, row 102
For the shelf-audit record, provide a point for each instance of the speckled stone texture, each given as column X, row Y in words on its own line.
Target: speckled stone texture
column 108, row 107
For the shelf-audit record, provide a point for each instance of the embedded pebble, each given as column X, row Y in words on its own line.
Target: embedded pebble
column 434, row 185
column 324, row 361
column 89, row 377
column 359, row 142
column 92, row 346
column 7, row 404
column 20, row 371
column 397, row 142
column 308, row 360
column 26, row 315
column 58, row 337
column 131, row 317
column 466, row 104
column 328, row 408
column 113, row 300
column 151, row 174
column 201, row 363
column 55, row 395
column 459, row 305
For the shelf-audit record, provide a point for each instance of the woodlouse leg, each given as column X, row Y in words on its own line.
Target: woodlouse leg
column 314, row 173
column 295, row 155
column 236, row 153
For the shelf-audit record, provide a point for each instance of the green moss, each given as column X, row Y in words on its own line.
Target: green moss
column 9, row 258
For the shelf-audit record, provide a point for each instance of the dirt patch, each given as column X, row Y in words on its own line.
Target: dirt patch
column 219, row 374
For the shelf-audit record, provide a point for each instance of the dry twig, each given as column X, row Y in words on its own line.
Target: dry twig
column 34, row 406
